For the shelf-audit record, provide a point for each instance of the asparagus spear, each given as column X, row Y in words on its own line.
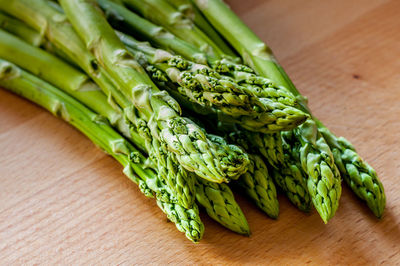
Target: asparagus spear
column 162, row 13
column 290, row 176
column 14, row 25
column 324, row 182
column 358, row 174
column 37, row 62
column 290, row 180
column 259, row 186
column 64, row 76
column 286, row 167
column 200, row 157
column 95, row 128
column 256, row 54
column 255, row 85
column 253, row 51
column 186, row 220
column 316, row 159
column 192, row 12
column 257, row 183
column 219, row 202
column 204, row 86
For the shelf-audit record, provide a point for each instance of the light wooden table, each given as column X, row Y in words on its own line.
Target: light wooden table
column 63, row 201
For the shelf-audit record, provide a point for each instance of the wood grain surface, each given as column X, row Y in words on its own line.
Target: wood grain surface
column 62, row 201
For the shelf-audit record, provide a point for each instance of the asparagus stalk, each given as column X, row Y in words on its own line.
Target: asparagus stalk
column 290, row 180
column 181, row 184
column 162, row 13
column 253, row 51
column 220, row 204
column 138, row 25
column 256, row 182
column 217, row 203
column 358, row 174
column 290, row 176
column 61, row 74
column 186, row 220
column 190, row 11
column 204, row 86
column 256, row 54
column 286, row 168
column 259, row 186
column 93, row 126
column 289, row 170
column 14, row 25
column 324, row 182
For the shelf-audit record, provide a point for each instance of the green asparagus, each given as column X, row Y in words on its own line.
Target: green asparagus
column 259, row 186
column 361, row 177
column 290, row 176
column 202, row 85
column 162, row 13
column 14, row 25
column 110, row 81
column 324, row 182
column 191, row 12
column 220, row 204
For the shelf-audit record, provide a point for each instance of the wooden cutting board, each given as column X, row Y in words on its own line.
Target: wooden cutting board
column 63, row 201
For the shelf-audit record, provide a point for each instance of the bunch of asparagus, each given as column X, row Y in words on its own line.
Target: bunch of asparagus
column 187, row 99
